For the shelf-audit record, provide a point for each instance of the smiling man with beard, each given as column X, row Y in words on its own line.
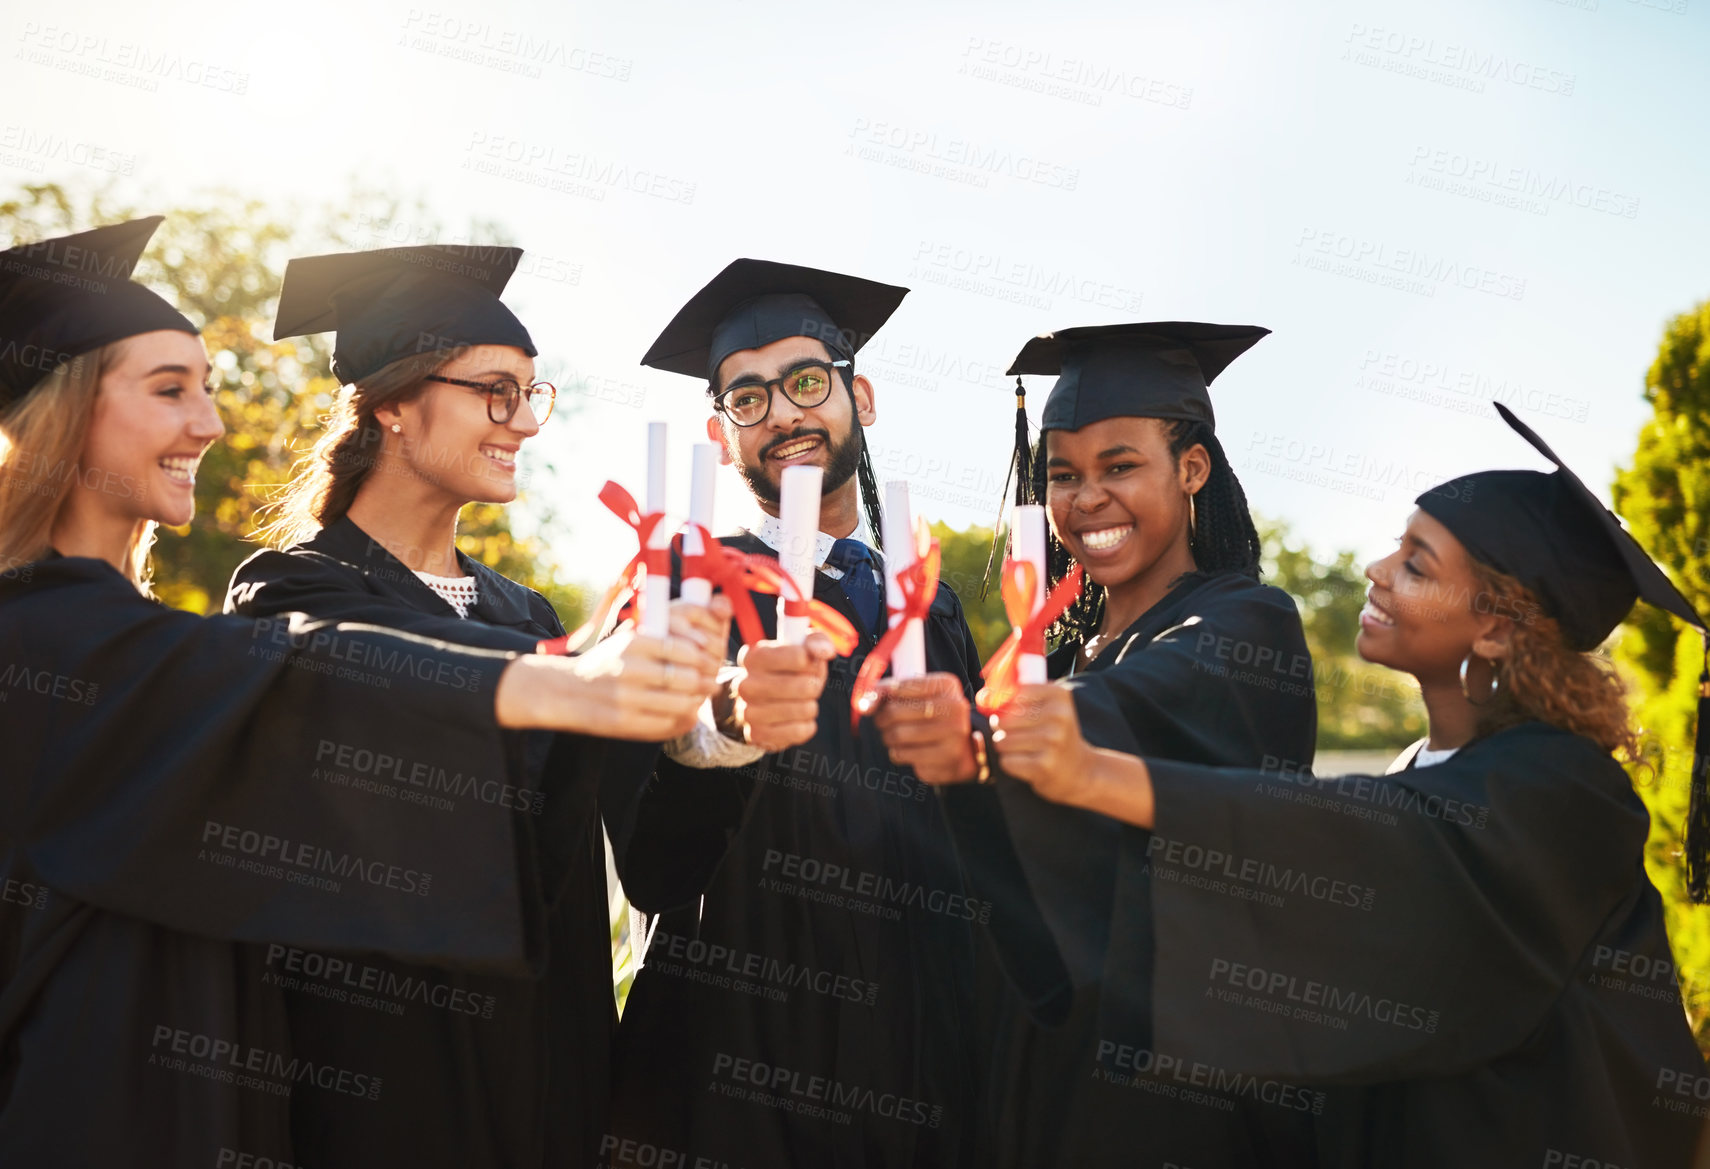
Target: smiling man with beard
column 805, row 997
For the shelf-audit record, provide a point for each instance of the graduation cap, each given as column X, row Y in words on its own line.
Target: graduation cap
column 1150, row 369
column 1553, row 535
column 63, row 297
column 391, row 303
column 753, row 303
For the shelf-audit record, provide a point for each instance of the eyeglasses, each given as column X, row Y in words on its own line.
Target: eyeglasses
column 807, row 385
column 504, row 395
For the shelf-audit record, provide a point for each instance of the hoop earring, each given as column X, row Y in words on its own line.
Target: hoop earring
column 1495, row 681
column 1192, row 522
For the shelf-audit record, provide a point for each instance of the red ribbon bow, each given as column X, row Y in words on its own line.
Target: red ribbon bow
column 738, row 574
column 654, row 560
column 1027, row 635
column 918, row 584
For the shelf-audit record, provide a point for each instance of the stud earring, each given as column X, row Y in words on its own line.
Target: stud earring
column 396, row 429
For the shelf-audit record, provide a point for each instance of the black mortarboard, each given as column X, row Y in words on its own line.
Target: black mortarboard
column 63, row 297
column 1155, row 369
column 1553, row 535
column 391, row 303
column 756, row 302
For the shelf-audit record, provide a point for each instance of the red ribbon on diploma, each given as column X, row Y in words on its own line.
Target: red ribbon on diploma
column 655, row 560
column 918, row 584
column 737, row 574
column 1027, row 635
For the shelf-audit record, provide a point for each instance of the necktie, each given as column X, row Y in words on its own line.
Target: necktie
column 860, row 580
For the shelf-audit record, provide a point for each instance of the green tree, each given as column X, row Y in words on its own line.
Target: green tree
column 962, row 567
column 1665, row 499
column 221, row 261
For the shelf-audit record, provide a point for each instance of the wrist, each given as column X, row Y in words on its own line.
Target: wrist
column 724, row 708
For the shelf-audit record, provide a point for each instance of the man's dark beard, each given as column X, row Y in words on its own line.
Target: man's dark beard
column 845, row 458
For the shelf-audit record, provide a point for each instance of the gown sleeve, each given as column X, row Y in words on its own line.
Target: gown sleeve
column 271, row 582
column 1363, row 928
column 1176, row 694
column 228, row 778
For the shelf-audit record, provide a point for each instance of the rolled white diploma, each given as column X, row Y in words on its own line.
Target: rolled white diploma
column 703, row 475
column 1028, row 535
column 798, row 516
column 909, row 660
column 656, row 595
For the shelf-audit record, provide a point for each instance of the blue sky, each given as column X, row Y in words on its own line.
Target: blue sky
column 1429, row 203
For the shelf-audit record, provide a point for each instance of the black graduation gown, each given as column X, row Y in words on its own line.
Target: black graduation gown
column 512, row 1072
column 1508, row 1000
column 1216, row 671
column 806, row 996
column 163, row 828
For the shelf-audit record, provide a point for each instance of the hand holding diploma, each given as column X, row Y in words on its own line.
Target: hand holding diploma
column 629, row 686
column 773, row 701
column 925, row 725
column 1037, row 739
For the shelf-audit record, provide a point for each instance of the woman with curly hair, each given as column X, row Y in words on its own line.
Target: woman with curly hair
column 1506, row 996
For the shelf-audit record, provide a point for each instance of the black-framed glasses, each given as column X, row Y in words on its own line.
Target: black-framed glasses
column 504, row 395
column 807, row 385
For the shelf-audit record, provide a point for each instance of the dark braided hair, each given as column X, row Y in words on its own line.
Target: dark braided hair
column 1223, row 539
column 869, row 483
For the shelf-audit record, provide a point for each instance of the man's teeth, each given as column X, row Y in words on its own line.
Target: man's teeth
column 181, row 469
column 1103, row 538
column 502, row 455
column 1377, row 614
column 791, row 450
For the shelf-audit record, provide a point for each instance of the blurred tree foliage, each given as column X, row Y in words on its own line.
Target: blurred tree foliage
column 1360, row 706
column 1665, row 500
column 221, row 262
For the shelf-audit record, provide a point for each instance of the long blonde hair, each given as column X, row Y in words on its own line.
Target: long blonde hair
column 324, row 482
column 41, row 445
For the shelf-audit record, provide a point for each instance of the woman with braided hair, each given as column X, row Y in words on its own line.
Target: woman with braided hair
column 1172, row 646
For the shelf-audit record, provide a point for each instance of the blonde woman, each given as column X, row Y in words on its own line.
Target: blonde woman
column 188, row 817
